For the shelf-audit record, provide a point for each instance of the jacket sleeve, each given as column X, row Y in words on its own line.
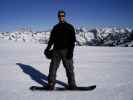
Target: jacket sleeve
column 72, row 41
column 51, row 39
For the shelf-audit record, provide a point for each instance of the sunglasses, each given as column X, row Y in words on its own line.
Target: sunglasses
column 61, row 15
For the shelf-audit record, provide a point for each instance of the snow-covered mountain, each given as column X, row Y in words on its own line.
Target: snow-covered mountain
column 113, row 36
column 105, row 36
column 26, row 36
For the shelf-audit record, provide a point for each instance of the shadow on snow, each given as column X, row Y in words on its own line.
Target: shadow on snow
column 36, row 75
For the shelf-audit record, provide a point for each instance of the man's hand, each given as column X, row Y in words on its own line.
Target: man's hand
column 45, row 51
column 69, row 55
column 48, row 53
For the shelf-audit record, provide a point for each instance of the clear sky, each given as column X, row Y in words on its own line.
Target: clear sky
column 42, row 14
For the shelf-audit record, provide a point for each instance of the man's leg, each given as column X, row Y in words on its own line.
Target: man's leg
column 68, row 64
column 55, row 61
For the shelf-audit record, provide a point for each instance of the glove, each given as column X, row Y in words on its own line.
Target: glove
column 69, row 55
column 48, row 53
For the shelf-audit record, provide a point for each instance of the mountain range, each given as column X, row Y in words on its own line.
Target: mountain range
column 109, row 36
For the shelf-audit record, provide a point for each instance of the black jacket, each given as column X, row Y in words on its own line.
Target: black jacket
column 62, row 37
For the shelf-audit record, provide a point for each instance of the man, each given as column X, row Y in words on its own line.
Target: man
column 62, row 39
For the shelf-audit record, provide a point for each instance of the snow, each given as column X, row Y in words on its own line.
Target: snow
column 110, row 68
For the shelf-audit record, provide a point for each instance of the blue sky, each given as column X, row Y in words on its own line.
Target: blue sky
column 42, row 14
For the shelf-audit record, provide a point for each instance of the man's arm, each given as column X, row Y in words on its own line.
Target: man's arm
column 51, row 39
column 71, row 44
column 73, row 38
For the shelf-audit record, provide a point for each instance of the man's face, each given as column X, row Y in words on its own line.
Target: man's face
column 61, row 17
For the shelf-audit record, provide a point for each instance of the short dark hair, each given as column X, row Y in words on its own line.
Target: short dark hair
column 61, row 11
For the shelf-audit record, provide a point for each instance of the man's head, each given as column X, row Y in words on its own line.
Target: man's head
column 61, row 15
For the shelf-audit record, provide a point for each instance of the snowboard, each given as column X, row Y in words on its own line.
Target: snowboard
column 79, row 88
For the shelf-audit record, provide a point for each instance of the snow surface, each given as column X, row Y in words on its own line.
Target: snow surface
column 23, row 65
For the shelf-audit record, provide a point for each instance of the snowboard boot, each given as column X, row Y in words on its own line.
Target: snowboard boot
column 50, row 86
column 72, row 87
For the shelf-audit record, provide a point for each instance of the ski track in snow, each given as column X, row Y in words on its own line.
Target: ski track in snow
column 110, row 68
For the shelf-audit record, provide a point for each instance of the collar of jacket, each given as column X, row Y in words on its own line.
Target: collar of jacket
column 62, row 22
